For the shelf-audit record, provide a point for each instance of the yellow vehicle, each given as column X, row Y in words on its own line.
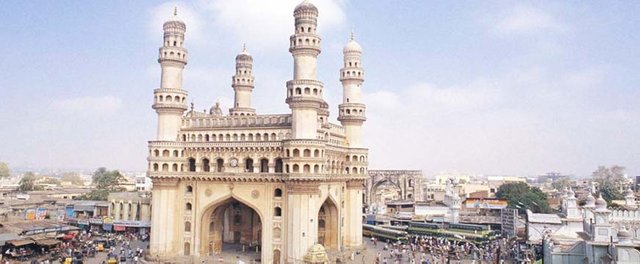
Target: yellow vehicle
column 112, row 261
column 68, row 260
column 100, row 247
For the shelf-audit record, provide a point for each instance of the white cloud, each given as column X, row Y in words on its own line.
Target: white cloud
column 526, row 19
column 88, row 105
column 263, row 25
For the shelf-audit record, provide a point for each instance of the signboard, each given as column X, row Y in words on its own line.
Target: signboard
column 41, row 213
column 509, row 219
column 30, row 214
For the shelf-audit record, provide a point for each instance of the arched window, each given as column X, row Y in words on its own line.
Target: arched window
column 316, row 169
column 288, row 153
column 156, row 153
column 296, row 168
column 187, row 249
column 264, row 165
column 307, row 153
column 296, row 153
column 219, row 165
column 205, row 165
column 189, row 189
column 192, row 164
column 165, row 167
column 354, row 170
column 176, row 153
column 155, row 167
column 277, row 192
column 188, row 206
column 175, row 167
column 206, row 137
column 316, row 153
column 277, row 211
column 248, row 165
column 187, row 226
column 278, row 165
column 307, row 168
column 298, row 92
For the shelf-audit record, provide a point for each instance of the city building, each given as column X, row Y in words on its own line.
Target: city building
column 281, row 183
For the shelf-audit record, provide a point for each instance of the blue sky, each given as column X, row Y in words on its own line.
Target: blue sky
column 492, row 87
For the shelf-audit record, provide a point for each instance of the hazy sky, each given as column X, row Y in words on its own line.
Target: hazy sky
column 493, row 87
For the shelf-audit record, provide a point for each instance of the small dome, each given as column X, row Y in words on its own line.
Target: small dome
column 590, row 200
column 601, row 203
column 305, row 5
column 244, row 55
column 352, row 46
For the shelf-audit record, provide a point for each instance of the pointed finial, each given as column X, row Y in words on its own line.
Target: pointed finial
column 352, row 37
column 244, row 47
column 175, row 10
column 191, row 105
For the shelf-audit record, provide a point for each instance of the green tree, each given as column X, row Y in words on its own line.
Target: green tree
column 105, row 182
column 610, row 193
column 4, row 170
column 520, row 195
column 28, row 182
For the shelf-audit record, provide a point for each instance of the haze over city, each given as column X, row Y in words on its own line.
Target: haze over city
column 494, row 87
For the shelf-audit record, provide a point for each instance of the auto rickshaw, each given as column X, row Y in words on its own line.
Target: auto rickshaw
column 112, row 260
column 68, row 260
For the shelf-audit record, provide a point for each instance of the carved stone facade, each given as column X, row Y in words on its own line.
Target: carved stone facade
column 388, row 185
column 283, row 182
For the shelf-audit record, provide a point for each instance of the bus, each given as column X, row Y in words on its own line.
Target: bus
column 384, row 234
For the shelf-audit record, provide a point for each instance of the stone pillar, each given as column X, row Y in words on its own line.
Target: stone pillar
column 117, row 209
column 302, row 207
column 164, row 240
column 353, row 214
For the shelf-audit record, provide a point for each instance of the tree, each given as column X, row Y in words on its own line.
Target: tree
column 520, row 195
column 610, row 193
column 28, row 183
column 72, row 177
column 4, row 170
column 613, row 176
column 51, row 181
column 105, row 182
column 561, row 183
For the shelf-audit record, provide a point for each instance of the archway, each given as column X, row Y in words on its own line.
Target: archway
column 328, row 225
column 231, row 228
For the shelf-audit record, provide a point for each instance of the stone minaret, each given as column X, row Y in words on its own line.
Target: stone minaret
column 304, row 92
column 243, row 83
column 170, row 98
column 352, row 110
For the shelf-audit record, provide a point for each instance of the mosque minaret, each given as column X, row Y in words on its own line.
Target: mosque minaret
column 287, row 183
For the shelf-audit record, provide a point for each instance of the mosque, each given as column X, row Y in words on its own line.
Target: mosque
column 284, row 185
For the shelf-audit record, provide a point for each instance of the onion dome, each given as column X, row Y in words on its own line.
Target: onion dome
column 306, row 5
column 352, row 46
column 601, row 203
column 174, row 22
column 591, row 201
column 624, row 236
column 244, row 55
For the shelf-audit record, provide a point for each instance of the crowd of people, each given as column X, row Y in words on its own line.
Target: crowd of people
column 439, row 250
column 81, row 246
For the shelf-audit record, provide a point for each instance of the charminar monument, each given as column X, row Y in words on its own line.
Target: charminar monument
column 284, row 183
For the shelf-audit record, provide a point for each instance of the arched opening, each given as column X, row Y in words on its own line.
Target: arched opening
column 277, row 211
column 205, row 165
column 328, row 225
column 192, row 164
column 276, row 256
column 307, row 153
column 248, row 165
column 187, row 226
column 165, row 167
column 189, row 189
column 278, row 168
column 156, row 153
column 306, row 168
column 187, row 249
column 219, row 165
column 231, row 226
column 264, row 165
column 296, row 153
column 188, row 207
column 277, row 192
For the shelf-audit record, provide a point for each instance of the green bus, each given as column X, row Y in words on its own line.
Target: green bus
column 384, row 234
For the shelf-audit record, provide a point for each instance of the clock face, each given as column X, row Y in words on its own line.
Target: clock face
column 234, row 162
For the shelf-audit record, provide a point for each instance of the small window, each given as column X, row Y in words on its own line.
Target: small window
column 188, row 207
column 187, row 226
column 277, row 192
column 277, row 211
column 189, row 189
